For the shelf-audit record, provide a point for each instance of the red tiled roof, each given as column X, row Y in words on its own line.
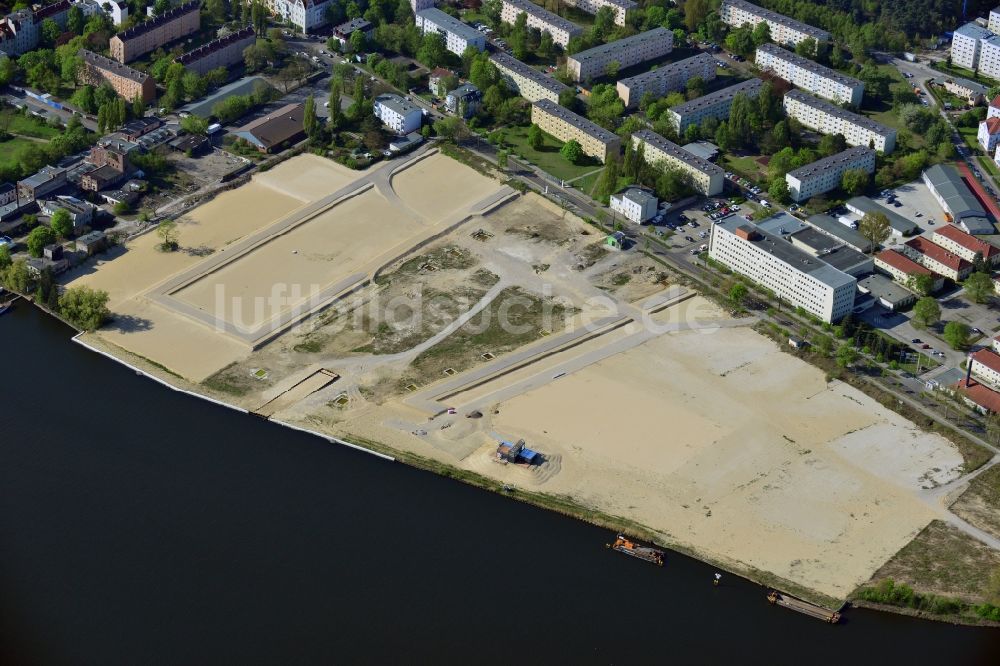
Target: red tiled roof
column 996, row 102
column 987, row 357
column 968, row 241
column 993, row 125
column 902, row 263
column 979, row 394
column 937, row 253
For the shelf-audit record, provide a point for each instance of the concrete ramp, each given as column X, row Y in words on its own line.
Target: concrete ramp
column 314, row 382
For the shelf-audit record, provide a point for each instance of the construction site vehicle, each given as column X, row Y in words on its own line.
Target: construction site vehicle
column 631, row 548
column 517, row 453
column 804, row 607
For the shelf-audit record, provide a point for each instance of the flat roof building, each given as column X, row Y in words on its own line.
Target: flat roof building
column 838, row 230
column 666, row 78
column 529, row 83
column 147, row 36
column 562, row 30
column 397, row 113
column 827, row 118
column 901, row 226
column 565, row 125
column 275, row 129
column 457, row 35
column 713, row 105
column 629, row 51
column 792, row 274
column 886, row 292
column 783, row 29
column 809, row 75
column 127, row 82
column 959, row 204
column 825, row 174
column 706, row 178
column 634, row 204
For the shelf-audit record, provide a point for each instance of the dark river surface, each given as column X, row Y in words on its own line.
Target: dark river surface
column 143, row 526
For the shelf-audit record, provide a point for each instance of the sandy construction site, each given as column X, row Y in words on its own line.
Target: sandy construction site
column 646, row 400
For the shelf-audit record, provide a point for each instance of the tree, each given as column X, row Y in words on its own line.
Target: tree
column 38, row 238
column 335, row 115
column 535, row 138
column 956, row 334
column 5, row 260
column 738, row 293
column 921, row 283
column 16, row 277
column 50, row 32
column 61, row 223
column 875, row 228
column 503, row 155
column 779, row 191
column 978, row 287
column 84, row 307
column 75, row 20
column 571, row 151
column 194, row 125
column 854, row 181
column 309, row 122
column 927, row 311
column 167, row 231
column 611, row 69
column 846, row 355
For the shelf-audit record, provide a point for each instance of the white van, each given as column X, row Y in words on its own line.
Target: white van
column 763, row 202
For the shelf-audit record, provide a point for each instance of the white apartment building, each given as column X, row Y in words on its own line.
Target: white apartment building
column 826, row 118
column 966, row 45
column 825, row 174
column 989, row 57
column 706, row 178
column 666, row 78
column 989, row 134
column 421, row 5
column 619, row 7
column 792, row 274
column 985, row 366
column 529, row 83
column 117, row 10
column 809, row 75
column 457, row 35
column 306, row 15
column 713, row 105
column 634, row 204
column 398, row 114
column 21, row 30
column 591, row 63
column 562, row 30
column 993, row 24
column 783, row 29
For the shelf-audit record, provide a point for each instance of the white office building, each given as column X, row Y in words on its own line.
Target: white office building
column 666, row 78
column 562, row 30
column 529, row 83
column 783, row 29
column 713, row 105
column 706, row 178
column 648, row 45
column 634, row 204
column 826, row 118
column 794, row 275
column 825, row 174
column 811, row 76
column 457, row 35
column 397, row 113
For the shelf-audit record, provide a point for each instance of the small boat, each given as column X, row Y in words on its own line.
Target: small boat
column 631, row 548
column 806, row 608
column 6, row 306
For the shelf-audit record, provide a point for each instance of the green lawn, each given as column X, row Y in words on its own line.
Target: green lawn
column 745, row 166
column 11, row 151
column 27, row 126
column 547, row 157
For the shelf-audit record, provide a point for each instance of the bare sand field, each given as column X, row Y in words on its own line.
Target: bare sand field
column 435, row 187
column 307, row 177
column 315, row 254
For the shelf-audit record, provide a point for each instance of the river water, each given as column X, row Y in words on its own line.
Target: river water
column 142, row 526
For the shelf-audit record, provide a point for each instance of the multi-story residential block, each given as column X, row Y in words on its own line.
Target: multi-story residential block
column 935, row 258
column 129, row 83
column 988, row 135
column 438, row 79
column 562, row 30
column 904, row 270
column 966, row 45
column 666, row 78
column 827, row 118
column 713, row 105
column 634, row 204
column 306, row 15
column 984, row 364
column 464, row 100
column 343, row 32
column 959, row 204
column 619, row 7
column 809, row 75
column 222, row 52
column 457, row 35
column 791, row 273
column 149, row 35
column 397, row 113
column 965, row 245
column 116, row 10
column 989, row 57
column 21, row 31
column 626, row 52
column 529, row 83
column 565, row 125
column 783, row 29
column 973, row 93
column 421, row 5
column 706, row 177
column 825, row 174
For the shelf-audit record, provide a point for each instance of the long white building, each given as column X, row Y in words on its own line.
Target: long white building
column 809, row 75
column 529, row 83
column 562, row 30
column 591, row 63
column 706, row 177
column 826, row 118
column 619, row 7
column 457, row 35
column 794, row 275
column 783, row 29
column 825, row 174
column 398, row 114
column 713, row 105
column 666, row 79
